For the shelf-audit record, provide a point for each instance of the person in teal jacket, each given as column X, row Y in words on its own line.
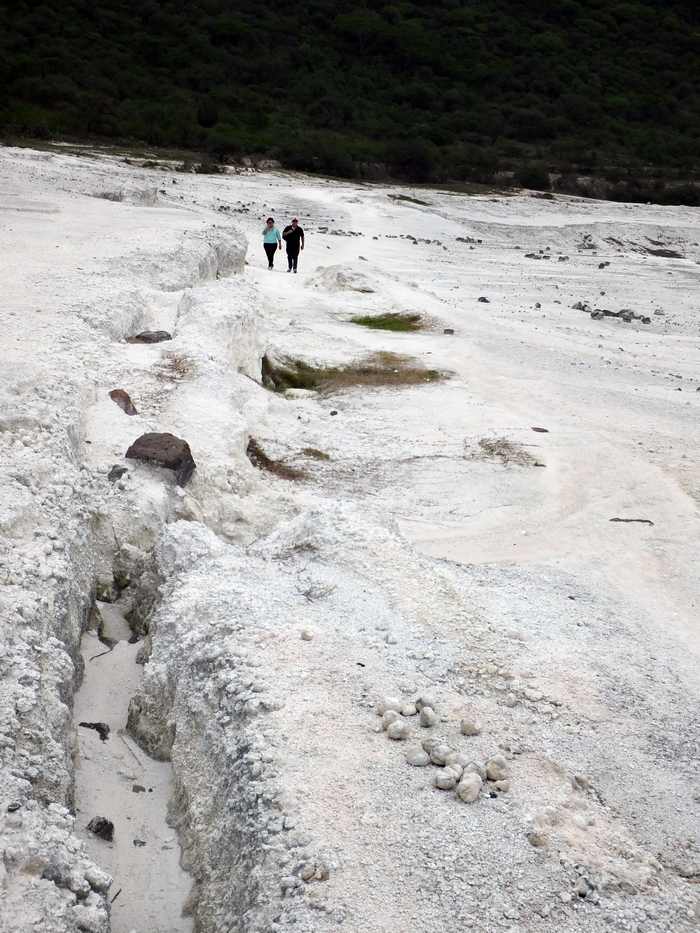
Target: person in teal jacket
column 272, row 241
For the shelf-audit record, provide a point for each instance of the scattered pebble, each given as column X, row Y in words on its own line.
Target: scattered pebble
column 469, row 787
column 469, row 727
column 389, row 716
column 398, row 730
column 428, row 717
column 387, row 703
column 417, row 758
column 438, row 754
column 496, row 768
column 537, row 839
column 445, row 779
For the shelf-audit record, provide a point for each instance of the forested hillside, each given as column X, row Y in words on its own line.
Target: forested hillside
column 453, row 88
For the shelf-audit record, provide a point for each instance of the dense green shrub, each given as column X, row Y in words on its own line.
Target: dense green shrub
column 423, row 88
column 533, row 175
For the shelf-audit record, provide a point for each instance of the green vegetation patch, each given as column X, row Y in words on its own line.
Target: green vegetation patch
column 396, row 321
column 378, row 369
column 428, row 92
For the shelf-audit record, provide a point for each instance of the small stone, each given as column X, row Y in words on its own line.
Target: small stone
column 537, row 839
column 116, row 472
column 469, row 787
column 390, row 716
column 476, row 768
column 496, row 768
column 150, row 336
column 469, row 727
column 483, row 300
column 308, row 871
column 102, row 827
column 511, row 700
column 445, row 779
column 458, row 758
column 425, row 700
column 456, row 769
column 418, row 758
column 438, row 754
column 121, row 398
column 307, row 634
column 409, row 709
column 428, row 717
column 502, row 786
column 387, row 703
column 582, row 888
column 398, row 731
column 429, row 744
column 448, row 330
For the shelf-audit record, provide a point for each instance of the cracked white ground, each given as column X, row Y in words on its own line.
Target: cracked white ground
column 410, row 560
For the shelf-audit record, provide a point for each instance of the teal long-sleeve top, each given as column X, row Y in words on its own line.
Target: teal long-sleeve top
column 271, row 235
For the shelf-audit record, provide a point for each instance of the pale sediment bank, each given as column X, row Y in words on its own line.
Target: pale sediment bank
column 413, row 543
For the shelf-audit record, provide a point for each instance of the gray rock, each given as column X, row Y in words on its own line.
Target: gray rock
column 389, row 716
column 417, row 758
column 537, row 839
column 398, row 730
column 469, row 787
column 496, row 768
column 470, row 727
column 425, row 699
column 438, row 754
column 476, row 767
column 428, row 717
column 445, row 779
column 387, row 703
column 409, row 709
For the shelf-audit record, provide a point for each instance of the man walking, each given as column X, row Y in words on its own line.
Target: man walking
column 293, row 236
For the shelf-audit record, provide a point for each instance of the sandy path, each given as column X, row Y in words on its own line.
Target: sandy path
column 621, row 438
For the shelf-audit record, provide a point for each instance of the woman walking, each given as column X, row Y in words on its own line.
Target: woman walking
column 272, row 241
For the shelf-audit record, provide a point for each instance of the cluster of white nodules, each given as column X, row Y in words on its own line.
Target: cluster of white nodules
column 458, row 770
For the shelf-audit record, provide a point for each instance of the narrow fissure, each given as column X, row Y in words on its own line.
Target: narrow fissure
column 121, row 792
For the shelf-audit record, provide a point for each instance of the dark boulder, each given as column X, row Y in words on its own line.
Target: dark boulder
column 150, row 336
column 167, row 451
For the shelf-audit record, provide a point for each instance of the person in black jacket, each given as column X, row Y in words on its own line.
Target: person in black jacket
column 293, row 236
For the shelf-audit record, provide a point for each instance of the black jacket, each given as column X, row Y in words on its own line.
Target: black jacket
column 293, row 238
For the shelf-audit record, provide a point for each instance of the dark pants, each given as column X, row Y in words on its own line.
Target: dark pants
column 292, row 259
column 270, row 249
